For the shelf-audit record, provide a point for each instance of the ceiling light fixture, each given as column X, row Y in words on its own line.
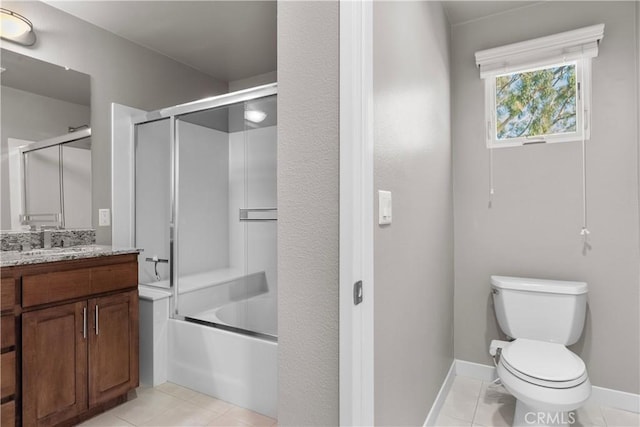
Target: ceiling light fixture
column 16, row 28
column 255, row 116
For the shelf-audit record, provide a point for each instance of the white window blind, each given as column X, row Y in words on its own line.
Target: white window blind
column 563, row 47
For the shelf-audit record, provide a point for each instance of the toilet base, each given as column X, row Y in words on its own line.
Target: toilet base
column 526, row 416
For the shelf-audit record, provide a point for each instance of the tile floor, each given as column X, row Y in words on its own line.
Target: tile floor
column 172, row 405
column 472, row 402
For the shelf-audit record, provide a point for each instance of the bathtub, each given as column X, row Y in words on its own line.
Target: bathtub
column 236, row 367
column 255, row 315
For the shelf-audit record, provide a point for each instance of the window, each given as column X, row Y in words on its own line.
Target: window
column 538, row 91
column 536, row 105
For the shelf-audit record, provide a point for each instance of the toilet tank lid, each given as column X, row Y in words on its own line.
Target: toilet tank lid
column 539, row 285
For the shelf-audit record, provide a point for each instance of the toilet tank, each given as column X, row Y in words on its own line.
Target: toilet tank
column 537, row 309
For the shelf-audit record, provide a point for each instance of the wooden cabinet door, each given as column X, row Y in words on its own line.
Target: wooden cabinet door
column 113, row 346
column 54, row 364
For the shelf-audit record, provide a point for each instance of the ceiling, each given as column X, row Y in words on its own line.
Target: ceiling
column 228, row 40
column 459, row 12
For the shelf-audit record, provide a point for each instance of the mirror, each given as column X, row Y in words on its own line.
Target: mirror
column 46, row 144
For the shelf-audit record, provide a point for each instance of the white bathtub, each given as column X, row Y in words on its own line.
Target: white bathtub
column 238, row 368
column 231, row 366
column 256, row 314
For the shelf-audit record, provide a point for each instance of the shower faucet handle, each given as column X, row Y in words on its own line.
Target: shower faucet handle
column 155, row 260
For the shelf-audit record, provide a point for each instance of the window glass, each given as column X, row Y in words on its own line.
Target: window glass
column 536, row 103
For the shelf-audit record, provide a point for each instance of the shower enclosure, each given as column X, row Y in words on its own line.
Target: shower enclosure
column 206, row 209
column 55, row 185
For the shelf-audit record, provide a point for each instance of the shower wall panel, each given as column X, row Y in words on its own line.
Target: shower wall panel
column 203, row 199
column 153, row 199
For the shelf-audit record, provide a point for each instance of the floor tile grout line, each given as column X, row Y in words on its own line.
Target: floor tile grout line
column 195, row 404
column 128, row 422
column 475, row 410
column 604, row 420
column 217, row 415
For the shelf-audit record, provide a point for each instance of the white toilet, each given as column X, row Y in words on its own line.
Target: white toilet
column 542, row 317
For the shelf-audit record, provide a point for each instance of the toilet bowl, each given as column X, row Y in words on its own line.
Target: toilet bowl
column 547, row 379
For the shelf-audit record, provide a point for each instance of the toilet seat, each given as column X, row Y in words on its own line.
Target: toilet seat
column 544, row 364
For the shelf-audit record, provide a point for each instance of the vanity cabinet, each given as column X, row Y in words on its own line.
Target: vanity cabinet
column 9, row 310
column 54, row 354
column 79, row 338
column 113, row 346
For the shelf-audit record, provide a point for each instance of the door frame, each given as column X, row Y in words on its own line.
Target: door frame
column 356, row 213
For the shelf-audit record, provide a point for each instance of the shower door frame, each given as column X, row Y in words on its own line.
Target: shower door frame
column 173, row 113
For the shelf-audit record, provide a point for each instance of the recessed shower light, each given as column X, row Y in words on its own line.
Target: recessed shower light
column 255, row 116
column 16, row 28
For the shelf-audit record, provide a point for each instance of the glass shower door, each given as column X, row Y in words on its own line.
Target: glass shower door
column 225, row 216
column 153, row 166
column 260, row 215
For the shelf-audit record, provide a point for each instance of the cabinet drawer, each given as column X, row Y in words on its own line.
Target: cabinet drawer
column 8, row 376
column 8, row 414
column 7, row 294
column 114, row 277
column 7, row 331
column 52, row 287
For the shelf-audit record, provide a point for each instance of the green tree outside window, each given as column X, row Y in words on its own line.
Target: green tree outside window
column 536, row 103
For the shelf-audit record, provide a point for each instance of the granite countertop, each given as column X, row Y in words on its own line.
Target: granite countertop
column 38, row 256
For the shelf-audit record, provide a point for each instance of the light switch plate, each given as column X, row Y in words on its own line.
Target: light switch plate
column 384, row 207
column 104, row 217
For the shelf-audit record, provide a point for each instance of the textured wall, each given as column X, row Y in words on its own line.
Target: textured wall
column 308, row 217
column 121, row 72
column 414, row 255
column 533, row 227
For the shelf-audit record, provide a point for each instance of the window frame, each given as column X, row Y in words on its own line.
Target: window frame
column 579, row 45
column 583, row 105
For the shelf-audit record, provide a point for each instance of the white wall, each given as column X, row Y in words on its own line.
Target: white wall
column 308, row 220
column 533, row 227
column 203, row 199
column 414, row 255
column 32, row 117
column 120, row 71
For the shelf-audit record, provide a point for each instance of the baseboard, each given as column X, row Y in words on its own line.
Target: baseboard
column 616, row 399
column 475, row 370
column 599, row 395
column 432, row 417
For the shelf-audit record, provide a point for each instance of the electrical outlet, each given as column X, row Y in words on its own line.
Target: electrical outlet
column 104, row 217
